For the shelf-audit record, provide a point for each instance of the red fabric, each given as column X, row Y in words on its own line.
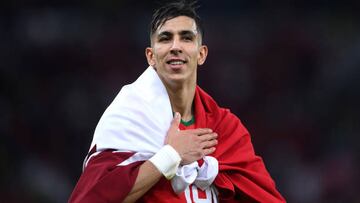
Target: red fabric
column 242, row 174
column 162, row 192
column 103, row 181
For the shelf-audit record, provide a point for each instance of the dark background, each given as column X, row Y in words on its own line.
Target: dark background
column 288, row 69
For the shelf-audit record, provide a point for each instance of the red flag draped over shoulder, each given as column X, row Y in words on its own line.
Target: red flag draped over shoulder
column 242, row 174
column 110, row 174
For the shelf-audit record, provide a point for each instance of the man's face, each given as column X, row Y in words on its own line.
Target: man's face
column 176, row 51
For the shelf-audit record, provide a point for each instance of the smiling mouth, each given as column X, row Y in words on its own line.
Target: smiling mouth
column 176, row 62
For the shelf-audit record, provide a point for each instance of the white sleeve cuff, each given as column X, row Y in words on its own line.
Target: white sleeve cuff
column 167, row 161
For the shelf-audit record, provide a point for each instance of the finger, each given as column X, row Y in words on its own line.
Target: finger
column 209, row 144
column 174, row 126
column 199, row 131
column 209, row 151
column 209, row 136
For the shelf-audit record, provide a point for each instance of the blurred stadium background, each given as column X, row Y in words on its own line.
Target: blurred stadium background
column 289, row 69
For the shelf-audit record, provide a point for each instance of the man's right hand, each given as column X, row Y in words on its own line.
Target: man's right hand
column 192, row 144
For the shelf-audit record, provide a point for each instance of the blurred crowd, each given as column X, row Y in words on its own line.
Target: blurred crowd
column 289, row 69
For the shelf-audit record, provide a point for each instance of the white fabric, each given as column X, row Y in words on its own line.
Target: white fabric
column 138, row 118
column 207, row 172
column 202, row 176
column 184, row 176
column 138, row 156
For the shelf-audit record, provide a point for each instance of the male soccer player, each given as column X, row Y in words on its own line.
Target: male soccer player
column 163, row 139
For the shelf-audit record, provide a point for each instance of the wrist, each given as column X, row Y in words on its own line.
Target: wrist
column 167, row 161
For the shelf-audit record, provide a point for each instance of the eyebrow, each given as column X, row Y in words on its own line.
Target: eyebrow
column 164, row 33
column 181, row 33
column 187, row 32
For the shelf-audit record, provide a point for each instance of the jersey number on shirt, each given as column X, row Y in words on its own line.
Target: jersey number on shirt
column 193, row 195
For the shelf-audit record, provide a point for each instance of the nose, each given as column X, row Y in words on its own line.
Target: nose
column 176, row 47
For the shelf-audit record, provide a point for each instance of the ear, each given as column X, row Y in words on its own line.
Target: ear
column 149, row 53
column 203, row 52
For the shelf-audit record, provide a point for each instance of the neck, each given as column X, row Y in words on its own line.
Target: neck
column 181, row 99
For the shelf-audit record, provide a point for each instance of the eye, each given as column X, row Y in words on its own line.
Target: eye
column 164, row 39
column 188, row 38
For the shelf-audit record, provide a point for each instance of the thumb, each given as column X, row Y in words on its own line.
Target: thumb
column 174, row 126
